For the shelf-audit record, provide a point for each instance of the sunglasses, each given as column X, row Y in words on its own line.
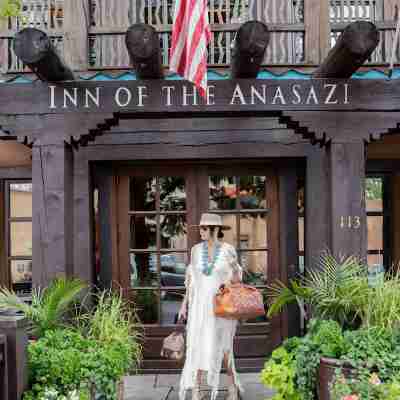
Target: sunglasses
column 204, row 228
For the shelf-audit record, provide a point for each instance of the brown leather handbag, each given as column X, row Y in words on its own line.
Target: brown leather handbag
column 238, row 301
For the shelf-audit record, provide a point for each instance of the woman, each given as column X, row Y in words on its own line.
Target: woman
column 209, row 338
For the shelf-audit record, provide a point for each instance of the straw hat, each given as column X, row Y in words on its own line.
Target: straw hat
column 208, row 219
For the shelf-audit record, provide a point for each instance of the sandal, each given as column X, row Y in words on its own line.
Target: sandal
column 233, row 393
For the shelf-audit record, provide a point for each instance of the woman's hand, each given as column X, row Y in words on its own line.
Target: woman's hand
column 182, row 315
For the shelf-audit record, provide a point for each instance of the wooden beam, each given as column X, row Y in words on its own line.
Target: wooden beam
column 35, row 49
column 143, row 44
column 251, row 41
column 76, row 22
column 354, row 46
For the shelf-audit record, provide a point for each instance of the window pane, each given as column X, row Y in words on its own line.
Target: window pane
column 143, row 232
column 301, row 234
column 173, row 232
column 253, row 231
column 375, row 233
column 21, row 238
column 252, row 192
column 21, row 274
column 375, row 259
column 170, row 304
column 222, row 193
column 172, row 193
column 142, row 194
column 144, row 270
column 21, row 200
column 146, row 304
column 230, row 235
column 173, row 269
column 374, row 194
column 254, row 264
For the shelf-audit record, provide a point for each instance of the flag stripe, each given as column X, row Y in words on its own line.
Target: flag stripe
column 190, row 37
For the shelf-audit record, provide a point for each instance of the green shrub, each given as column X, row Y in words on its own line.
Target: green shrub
column 279, row 374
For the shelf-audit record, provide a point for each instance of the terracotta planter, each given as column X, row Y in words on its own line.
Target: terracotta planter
column 326, row 374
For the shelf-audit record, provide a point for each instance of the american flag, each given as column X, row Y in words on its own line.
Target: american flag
column 190, row 36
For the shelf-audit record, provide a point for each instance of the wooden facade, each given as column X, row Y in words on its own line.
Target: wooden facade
column 101, row 152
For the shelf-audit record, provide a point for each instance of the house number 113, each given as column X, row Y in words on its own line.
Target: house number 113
column 350, row 222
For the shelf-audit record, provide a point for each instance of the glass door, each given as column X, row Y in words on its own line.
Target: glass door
column 157, row 208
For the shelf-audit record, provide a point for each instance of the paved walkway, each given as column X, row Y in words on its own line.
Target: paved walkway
column 165, row 387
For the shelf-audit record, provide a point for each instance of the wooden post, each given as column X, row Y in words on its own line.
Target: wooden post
column 354, row 46
column 35, row 49
column 76, row 22
column 251, row 41
column 348, row 223
column 143, row 44
column 289, row 251
column 317, row 30
column 15, row 330
column 317, row 206
column 52, row 212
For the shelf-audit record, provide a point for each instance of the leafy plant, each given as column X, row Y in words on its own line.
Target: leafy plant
column 49, row 306
column 10, row 8
column 334, row 289
column 383, row 306
column 279, row 373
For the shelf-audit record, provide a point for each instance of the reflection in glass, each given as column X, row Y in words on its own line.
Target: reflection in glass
column 301, row 233
column 374, row 194
column 375, row 259
column 144, row 269
column 142, row 194
column 21, row 271
column 21, row 200
column 230, row 235
column 172, row 193
column 375, row 232
column 170, row 304
column 143, row 232
column 173, row 231
column 254, row 264
column 253, row 230
column 146, row 304
column 21, row 238
column 252, row 192
column 222, row 193
column 173, row 269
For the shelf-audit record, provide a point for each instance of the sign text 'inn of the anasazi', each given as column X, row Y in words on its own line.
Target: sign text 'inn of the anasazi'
column 159, row 95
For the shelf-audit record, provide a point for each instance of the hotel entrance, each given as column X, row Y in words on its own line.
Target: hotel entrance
column 155, row 210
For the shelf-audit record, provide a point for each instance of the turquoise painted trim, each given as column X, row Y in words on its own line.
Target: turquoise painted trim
column 216, row 76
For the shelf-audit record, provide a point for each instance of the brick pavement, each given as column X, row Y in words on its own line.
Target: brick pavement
column 165, row 387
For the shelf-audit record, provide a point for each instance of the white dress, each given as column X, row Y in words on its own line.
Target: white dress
column 208, row 337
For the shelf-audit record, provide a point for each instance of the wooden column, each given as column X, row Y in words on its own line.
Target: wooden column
column 52, row 211
column 289, row 252
column 76, row 22
column 348, row 227
column 83, row 221
column 317, row 202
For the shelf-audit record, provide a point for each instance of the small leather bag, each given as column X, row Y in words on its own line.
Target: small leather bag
column 174, row 345
column 238, row 301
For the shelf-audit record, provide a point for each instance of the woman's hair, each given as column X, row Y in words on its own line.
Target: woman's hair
column 220, row 234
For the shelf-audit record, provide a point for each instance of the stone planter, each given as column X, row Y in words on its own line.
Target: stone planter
column 326, row 374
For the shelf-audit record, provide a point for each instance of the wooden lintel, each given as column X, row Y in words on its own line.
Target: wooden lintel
column 35, row 49
column 251, row 41
column 354, row 46
column 143, row 44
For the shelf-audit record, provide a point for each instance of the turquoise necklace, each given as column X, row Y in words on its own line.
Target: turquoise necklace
column 208, row 267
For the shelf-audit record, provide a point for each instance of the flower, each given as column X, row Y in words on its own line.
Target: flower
column 351, row 397
column 374, row 379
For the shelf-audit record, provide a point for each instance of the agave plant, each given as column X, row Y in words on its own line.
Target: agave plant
column 49, row 306
column 334, row 289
